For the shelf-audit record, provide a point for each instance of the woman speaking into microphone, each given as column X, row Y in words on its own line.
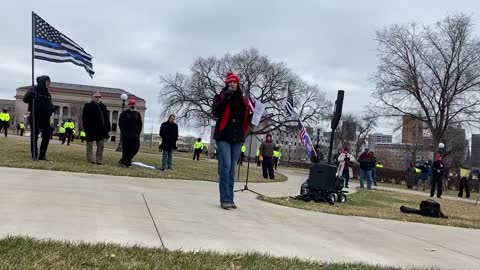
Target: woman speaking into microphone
column 231, row 110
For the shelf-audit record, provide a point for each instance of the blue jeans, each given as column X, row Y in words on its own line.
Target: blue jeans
column 228, row 154
column 368, row 175
column 167, row 159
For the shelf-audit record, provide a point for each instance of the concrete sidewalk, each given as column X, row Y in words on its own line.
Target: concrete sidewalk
column 94, row 208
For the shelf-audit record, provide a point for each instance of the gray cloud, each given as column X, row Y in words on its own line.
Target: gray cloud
column 330, row 43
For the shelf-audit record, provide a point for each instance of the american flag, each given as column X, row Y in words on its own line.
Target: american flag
column 251, row 103
column 53, row 46
column 305, row 138
column 289, row 104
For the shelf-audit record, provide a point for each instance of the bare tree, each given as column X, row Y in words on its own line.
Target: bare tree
column 430, row 73
column 190, row 97
column 353, row 131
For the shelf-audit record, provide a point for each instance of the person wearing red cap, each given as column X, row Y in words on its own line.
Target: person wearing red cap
column 233, row 117
column 130, row 123
column 438, row 169
column 266, row 151
column 345, row 165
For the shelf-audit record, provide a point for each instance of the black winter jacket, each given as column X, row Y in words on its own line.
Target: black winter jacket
column 43, row 99
column 233, row 132
column 169, row 134
column 130, row 123
column 96, row 122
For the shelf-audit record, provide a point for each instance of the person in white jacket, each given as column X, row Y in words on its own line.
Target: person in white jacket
column 346, row 162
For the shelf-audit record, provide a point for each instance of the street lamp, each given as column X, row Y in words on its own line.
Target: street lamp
column 124, row 98
column 441, row 147
column 319, row 128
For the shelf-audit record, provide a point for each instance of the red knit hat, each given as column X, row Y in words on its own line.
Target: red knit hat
column 232, row 77
column 131, row 102
column 346, row 149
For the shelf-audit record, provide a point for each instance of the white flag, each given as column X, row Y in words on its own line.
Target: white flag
column 258, row 112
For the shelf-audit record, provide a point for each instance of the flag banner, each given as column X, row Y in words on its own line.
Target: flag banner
column 259, row 109
column 305, row 138
column 53, row 46
column 289, row 104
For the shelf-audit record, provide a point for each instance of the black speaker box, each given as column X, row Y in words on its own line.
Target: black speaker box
column 322, row 177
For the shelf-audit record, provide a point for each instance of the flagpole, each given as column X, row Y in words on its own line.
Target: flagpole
column 33, row 141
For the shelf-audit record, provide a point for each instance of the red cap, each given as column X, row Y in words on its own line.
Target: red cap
column 232, row 77
column 438, row 157
column 131, row 102
column 346, row 149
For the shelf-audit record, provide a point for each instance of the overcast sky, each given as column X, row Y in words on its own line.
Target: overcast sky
column 329, row 43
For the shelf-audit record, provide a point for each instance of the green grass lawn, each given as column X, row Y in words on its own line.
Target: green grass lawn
column 386, row 205
column 16, row 153
column 26, row 253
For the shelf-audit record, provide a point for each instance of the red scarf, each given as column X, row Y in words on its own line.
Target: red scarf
column 228, row 110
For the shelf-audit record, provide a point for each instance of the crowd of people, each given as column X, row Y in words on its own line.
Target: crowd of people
column 233, row 119
column 95, row 120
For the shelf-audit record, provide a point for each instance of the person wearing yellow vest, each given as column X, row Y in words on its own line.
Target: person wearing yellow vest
column 242, row 155
column 197, row 149
column 22, row 128
column 257, row 157
column 4, row 121
column 83, row 135
column 69, row 127
column 61, row 132
column 276, row 156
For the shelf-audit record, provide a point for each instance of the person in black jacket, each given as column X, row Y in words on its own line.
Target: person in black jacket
column 366, row 165
column 438, row 169
column 169, row 134
column 130, row 122
column 96, row 124
column 231, row 110
column 43, row 110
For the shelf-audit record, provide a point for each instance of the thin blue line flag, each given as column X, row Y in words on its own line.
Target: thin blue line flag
column 53, row 46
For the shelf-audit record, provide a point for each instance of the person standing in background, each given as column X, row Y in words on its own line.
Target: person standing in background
column 266, row 151
column 197, row 149
column 130, row 123
column 96, row 125
column 169, row 134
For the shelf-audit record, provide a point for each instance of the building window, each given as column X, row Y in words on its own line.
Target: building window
column 115, row 117
column 114, row 127
column 65, row 113
column 113, row 138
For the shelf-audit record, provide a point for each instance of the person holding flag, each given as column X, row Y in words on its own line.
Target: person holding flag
column 233, row 118
column 41, row 109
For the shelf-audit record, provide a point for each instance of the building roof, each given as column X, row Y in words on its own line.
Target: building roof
column 69, row 87
column 10, row 102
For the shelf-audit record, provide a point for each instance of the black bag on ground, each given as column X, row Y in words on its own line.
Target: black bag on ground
column 408, row 210
column 428, row 208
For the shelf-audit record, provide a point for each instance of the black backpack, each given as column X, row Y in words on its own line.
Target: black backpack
column 430, row 208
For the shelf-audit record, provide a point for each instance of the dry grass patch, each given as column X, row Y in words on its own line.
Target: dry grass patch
column 16, row 153
column 386, row 205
